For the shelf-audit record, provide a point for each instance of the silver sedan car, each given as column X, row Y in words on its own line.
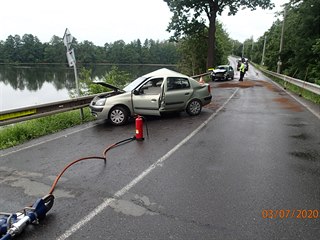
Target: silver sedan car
column 157, row 92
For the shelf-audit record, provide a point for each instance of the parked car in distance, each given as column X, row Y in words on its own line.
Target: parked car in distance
column 222, row 72
column 157, row 92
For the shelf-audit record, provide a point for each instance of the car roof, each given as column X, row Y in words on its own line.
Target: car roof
column 164, row 72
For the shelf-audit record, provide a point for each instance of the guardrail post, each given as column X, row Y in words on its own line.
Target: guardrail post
column 81, row 114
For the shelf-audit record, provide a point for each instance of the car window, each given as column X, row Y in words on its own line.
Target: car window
column 175, row 83
column 153, row 86
column 134, row 84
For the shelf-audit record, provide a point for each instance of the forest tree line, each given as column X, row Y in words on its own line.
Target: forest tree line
column 29, row 49
column 300, row 55
column 188, row 53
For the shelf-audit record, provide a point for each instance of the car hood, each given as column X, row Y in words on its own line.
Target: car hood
column 219, row 71
column 107, row 85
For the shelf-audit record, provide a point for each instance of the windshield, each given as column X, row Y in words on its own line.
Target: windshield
column 134, row 84
column 222, row 67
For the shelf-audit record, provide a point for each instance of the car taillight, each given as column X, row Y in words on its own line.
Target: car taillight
column 209, row 89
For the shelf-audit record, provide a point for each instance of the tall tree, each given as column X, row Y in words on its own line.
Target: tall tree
column 31, row 49
column 54, row 51
column 11, row 49
column 193, row 48
column 188, row 18
column 300, row 54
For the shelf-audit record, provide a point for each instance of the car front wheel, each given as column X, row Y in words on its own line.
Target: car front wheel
column 118, row 116
column 194, row 107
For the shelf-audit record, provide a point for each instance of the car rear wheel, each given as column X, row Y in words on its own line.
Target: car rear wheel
column 118, row 116
column 194, row 107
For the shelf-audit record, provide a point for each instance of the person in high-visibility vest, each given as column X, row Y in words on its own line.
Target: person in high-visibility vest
column 242, row 69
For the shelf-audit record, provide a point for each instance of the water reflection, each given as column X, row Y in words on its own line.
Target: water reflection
column 33, row 78
column 22, row 86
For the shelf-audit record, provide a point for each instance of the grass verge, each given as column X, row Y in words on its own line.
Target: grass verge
column 19, row 133
column 315, row 98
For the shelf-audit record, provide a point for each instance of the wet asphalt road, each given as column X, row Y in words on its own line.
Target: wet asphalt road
column 254, row 148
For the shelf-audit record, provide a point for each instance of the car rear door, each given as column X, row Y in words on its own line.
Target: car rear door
column 146, row 99
column 177, row 92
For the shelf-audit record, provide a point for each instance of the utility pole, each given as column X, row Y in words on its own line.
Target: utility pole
column 279, row 63
column 232, row 47
column 242, row 51
column 264, row 50
column 252, row 43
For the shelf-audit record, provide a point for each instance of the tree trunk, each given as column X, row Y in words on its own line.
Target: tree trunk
column 212, row 37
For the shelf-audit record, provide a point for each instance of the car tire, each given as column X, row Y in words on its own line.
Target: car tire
column 118, row 116
column 194, row 107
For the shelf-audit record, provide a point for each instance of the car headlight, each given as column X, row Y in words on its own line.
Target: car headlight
column 101, row 102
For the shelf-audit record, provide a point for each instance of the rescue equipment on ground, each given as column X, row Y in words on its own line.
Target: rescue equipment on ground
column 12, row 224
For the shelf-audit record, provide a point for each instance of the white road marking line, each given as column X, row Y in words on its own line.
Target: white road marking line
column 49, row 140
column 135, row 181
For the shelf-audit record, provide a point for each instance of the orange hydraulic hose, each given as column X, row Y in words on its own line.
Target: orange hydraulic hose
column 88, row 158
column 69, row 165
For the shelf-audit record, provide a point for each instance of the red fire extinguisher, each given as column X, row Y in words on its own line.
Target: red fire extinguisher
column 139, row 128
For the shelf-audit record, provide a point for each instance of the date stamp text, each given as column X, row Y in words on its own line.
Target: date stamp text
column 290, row 213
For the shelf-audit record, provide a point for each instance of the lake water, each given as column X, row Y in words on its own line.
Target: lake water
column 29, row 86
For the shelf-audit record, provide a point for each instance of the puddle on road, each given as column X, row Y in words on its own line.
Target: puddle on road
column 309, row 156
column 21, row 179
column 33, row 188
column 298, row 125
column 301, row 136
column 136, row 206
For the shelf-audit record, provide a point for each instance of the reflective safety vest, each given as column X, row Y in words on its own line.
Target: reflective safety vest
column 242, row 67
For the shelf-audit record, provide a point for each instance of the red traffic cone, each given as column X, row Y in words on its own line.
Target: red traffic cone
column 201, row 81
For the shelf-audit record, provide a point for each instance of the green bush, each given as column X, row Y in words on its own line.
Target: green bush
column 18, row 133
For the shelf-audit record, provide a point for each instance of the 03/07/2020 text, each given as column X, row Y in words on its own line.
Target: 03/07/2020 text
column 290, row 213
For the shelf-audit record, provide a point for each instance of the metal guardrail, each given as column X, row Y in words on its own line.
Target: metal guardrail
column 201, row 75
column 303, row 84
column 27, row 113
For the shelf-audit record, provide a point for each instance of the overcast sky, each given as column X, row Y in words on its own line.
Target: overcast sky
column 101, row 21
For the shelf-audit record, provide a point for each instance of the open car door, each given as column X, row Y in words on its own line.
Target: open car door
column 146, row 98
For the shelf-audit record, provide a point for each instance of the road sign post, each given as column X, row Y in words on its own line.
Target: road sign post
column 67, row 40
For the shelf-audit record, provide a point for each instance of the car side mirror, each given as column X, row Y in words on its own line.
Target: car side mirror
column 136, row 92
